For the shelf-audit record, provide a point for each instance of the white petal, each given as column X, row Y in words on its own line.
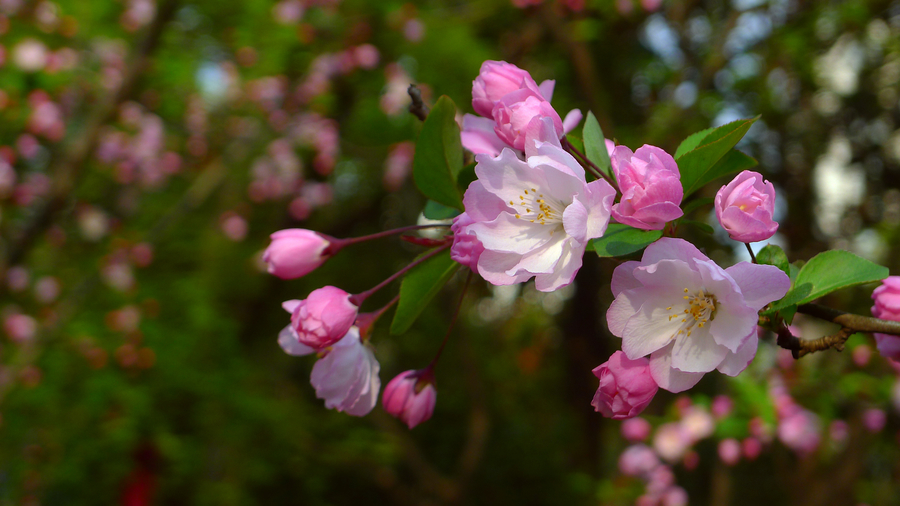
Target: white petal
column 667, row 377
column 650, row 328
column 564, row 271
column 733, row 322
column 736, row 362
column 513, row 235
column 760, row 284
column 287, row 339
column 623, row 278
column 697, row 352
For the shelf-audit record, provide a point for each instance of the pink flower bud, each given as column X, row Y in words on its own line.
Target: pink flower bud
column 626, row 386
column 466, row 247
column 650, row 185
column 346, row 377
column 495, row 80
column 323, row 318
column 515, row 111
column 745, row 206
column 295, row 252
column 410, row 397
column 887, row 307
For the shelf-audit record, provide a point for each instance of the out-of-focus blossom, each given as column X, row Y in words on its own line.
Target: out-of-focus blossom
column 874, row 419
column 234, row 226
column 697, row 423
column 20, row 327
column 30, row 55
column 887, row 307
column 670, row 441
column 751, row 447
column 838, row 431
column 651, row 187
column 637, row 460
column 722, row 406
column 288, row 12
column 535, row 218
column 745, row 206
column 323, row 318
column 411, row 397
column 800, row 431
column 17, row 278
column 295, row 252
column 626, row 386
column 861, row 355
column 636, row 429
column 46, row 289
column 346, row 377
column 665, row 305
column 730, row 451
column 398, row 165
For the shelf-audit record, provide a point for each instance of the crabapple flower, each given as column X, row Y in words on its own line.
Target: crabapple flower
column 497, row 79
column 650, row 185
column 626, row 387
column 410, row 397
column 514, row 112
column 295, row 252
column 887, row 307
column 346, row 377
column 535, row 218
column 323, row 318
column 744, row 207
column 466, row 248
column 690, row 315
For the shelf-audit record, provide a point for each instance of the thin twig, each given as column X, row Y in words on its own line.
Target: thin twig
column 850, row 324
column 417, row 107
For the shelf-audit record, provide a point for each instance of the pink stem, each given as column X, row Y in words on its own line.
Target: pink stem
column 359, row 298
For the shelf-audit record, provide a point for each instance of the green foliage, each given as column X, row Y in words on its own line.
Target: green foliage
column 439, row 156
column 436, row 211
column 419, row 286
column 620, row 240
column 707, row 159
column 826, row 272
column 772, row 254
column 595, row 146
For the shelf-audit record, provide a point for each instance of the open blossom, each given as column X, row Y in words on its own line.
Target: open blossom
column 650, row 185
column 887, row 307
column 346, row 377
column 690, row 315
column 509, row 99
column 744, row 207
column 535, row 218
column 323, row 318
column 295, row 252
column 410, row 397
column 626, row 386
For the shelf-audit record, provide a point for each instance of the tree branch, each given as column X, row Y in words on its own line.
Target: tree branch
column 417, row 107
column 850, row 323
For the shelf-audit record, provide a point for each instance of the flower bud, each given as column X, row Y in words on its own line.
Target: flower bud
column 744, row 207
column 651, row 187
column 410, row 397
column 346, row 377
column 496, row 79
column 626, row 387
column 515, row 111
column 295, row 252
column 466, row 248
column 887, row 307
column 323, row 318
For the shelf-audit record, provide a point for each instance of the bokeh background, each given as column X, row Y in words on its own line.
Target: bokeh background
column 148, row 148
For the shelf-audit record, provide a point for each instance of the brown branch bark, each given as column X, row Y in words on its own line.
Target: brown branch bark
column 417, row 107
column 850, row 323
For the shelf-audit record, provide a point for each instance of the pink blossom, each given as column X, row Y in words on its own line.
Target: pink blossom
column 744, row 207
column 535, row 218
column 410, row 396
column 466, row 248
column 514, row 112
column 495, row 80
column 800, row 431
column 874, row 419
column 671, row 441
column 323, row 318
column 887, row 307
column 665, row 305
column 30, row 55
column 729, row 451
column 346, row 377
column 295, row 252
column 636, row 429
column 638, row 460
column 626, row 387
column 751, row 447
column 20, row 327
column 722, row 406
column 650, row 185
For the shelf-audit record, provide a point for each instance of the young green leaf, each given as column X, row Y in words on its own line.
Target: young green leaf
column 696, row 166
column 620, row 240
column 595, row 145
column 439, row 155
column 829, row 271
column 774, row 255
column 437, row 211
column 692, row 142
column 733, row 162
column 419, row 286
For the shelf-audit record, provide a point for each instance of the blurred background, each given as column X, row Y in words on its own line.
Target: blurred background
column 148, row 148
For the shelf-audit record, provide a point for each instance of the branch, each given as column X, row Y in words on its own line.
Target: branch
column 850, row 323
column 417, row 107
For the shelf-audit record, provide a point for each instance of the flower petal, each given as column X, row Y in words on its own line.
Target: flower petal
column 759, row 284
column 736, row 362
column 667, row 377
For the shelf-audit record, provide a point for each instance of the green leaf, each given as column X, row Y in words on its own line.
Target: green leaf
column 620, row 240
column 774, row 255
column 829, row 271
column 692, row 142
column 419, row 286
column 465, row 177
column 699, row 224
column 437, row 211
column 439, row 155
column 694, row 204
column 699, row 166
column 595, row 145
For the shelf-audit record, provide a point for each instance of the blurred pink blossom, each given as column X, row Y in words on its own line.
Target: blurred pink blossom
column 30, row 55
column 636, row 429
column 730, row 451
column 20, row 327
column 874, row 419
column 637, row 460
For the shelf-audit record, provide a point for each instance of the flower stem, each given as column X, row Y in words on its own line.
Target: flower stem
column 337, row 244
column 359, row 298
column 452, row 323
column 591, row 165
column 366, row 321
column 750, row 250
